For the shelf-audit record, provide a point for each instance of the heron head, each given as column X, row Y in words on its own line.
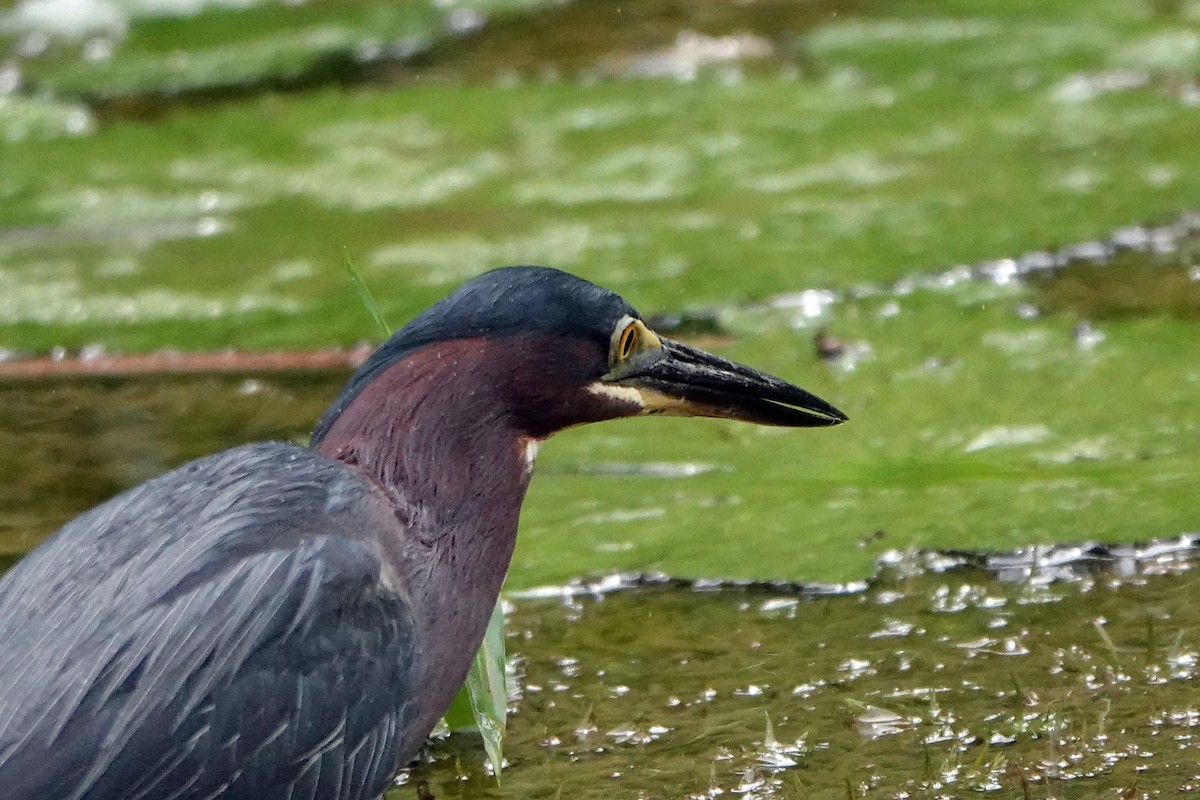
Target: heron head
column 556, row 350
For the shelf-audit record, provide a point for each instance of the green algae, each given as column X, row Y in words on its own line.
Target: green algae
column 975, row 422
column 910, row 136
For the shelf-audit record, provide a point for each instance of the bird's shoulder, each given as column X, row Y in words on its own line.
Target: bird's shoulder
column 173, row 600
column 212, row 511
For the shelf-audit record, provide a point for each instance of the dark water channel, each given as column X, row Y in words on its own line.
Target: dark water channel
column 70, row 444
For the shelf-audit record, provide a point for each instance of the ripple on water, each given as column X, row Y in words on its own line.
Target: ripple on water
column 699, row 693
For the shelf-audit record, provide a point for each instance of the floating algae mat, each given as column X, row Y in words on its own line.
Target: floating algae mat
column 1070, row 680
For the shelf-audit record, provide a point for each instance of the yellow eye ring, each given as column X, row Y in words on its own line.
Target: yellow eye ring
column 630, row 337
column 628, row 342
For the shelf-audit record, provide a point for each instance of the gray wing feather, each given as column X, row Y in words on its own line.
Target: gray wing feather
column 176, row 643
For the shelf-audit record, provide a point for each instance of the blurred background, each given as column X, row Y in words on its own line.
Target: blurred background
column 965, row 223
column 970, row 224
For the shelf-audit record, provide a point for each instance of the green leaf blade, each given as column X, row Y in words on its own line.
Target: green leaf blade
column 482, row 703
column 367, row 299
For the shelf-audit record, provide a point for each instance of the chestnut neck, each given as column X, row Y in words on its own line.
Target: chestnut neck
column 435, row 433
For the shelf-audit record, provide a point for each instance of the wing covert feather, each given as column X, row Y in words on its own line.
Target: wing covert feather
column 219, row 640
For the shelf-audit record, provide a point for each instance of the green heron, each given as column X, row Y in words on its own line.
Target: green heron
column 276, row 621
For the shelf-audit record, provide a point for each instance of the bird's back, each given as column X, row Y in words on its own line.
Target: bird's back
column 213, row 631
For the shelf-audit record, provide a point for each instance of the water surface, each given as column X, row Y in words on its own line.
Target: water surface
column 926, row 684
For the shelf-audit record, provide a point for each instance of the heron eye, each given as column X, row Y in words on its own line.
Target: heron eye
column 627, row 342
